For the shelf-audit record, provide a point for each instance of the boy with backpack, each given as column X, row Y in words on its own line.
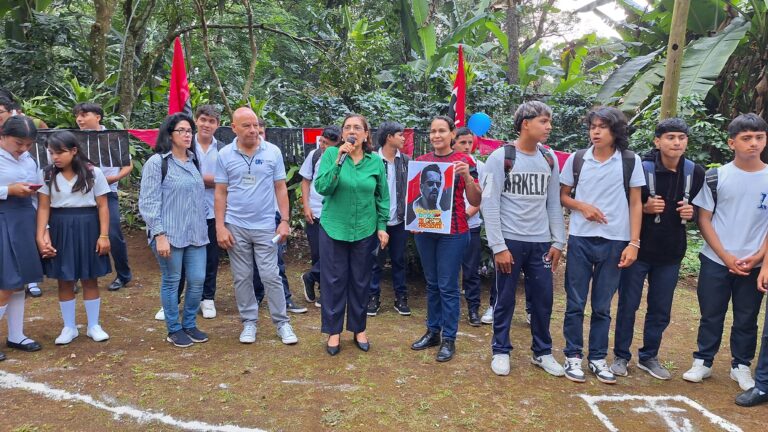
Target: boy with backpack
column 521, row 191
column 606, row 213
column 733, row 218
column 671, row 182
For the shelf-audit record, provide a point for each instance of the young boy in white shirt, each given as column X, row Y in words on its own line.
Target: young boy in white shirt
column 606, row 213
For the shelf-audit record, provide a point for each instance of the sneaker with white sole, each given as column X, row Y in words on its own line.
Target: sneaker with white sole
column 248, row 335
column 602, row 371
column 68, row 334
column 287, row 335
column 654, row 367
column 619, row 367
column 742, row 375
column 500, row 364
column 698, row 372
column 292, row 307
column 97, row 333
column 549, row 364
column 160, row 315
column 208, row 309
column 528, row 318
column 487, row 317
column 573, row 370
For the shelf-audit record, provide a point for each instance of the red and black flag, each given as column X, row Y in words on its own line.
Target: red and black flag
column 457, row 106
column 178, row 96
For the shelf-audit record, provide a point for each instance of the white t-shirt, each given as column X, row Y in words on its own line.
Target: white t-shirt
column 208, row 165
column 601, row 184
column 315, row 199
column 741, row 216
column 64, row 198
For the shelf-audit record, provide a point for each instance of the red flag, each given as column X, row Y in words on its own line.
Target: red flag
column 178, row 96
column 457, row 106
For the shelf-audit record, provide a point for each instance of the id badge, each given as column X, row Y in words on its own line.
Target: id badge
column 249, row 180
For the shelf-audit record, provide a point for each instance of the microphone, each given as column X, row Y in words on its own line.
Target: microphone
column 350, row 140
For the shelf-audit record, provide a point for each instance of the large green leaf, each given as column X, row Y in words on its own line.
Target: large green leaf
column 705, row 58
column 420, row 11
column 428, row 38
column 500, row 35
column 623, row 76
column 643, row 88
column 409, row 27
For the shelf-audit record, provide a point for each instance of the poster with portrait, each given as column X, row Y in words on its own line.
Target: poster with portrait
column 429, row 200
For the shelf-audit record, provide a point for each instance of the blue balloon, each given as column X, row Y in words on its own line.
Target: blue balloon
column 479, row 123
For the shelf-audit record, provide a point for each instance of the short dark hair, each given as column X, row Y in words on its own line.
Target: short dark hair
column 385, row 130
column 749, row 122
column 367, row 145
column 332, row 133
column 163, row 143
column 208, row 110
column 530, row 110
column 450, row 121
column 88, row 107
column 616, row 121
column 19, row 127
column 673, row 124
column 9, row 104
column 429, row 168
column 260, row 121
column 463, row 131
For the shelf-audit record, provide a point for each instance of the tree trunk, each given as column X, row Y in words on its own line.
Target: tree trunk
column 674, row 59
column 128, row 86
column 513, row 39
column 97, row 39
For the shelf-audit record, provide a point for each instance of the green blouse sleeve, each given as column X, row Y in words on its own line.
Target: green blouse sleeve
column 328, row 174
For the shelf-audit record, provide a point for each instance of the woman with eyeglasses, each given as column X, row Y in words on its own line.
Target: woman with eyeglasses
column 442, row 254
column 353, row 226
column 172, row 203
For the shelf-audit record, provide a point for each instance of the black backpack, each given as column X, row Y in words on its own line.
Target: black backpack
column 315, row 158
column 627, row 163
column 510, row 154
column 710, row 178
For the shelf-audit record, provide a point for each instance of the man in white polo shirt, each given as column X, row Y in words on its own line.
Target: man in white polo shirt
column 249, row 177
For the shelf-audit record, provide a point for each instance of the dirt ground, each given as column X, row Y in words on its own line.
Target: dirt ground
column 274, row 387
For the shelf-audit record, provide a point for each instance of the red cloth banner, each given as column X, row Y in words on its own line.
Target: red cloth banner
column 457, row 106
column 409, row 142
column 148, row 136
column 178, row 95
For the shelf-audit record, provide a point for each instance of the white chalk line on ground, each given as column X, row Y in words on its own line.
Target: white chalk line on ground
column 17, row 382
column 657, row 405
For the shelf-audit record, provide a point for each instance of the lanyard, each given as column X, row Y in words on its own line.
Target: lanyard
column 247, row 162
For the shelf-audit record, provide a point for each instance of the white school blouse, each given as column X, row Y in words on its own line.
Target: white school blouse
column 64, row 198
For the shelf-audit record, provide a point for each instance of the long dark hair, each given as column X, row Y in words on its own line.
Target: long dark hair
column 19, row 127
column 81, row 165
column 164, row 144
column 367, row 145
column 616, row 122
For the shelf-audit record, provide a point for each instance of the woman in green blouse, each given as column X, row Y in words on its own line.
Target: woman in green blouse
column 353, row 226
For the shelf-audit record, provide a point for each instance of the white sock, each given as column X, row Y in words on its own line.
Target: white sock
column 92, row 311
column 16, row 317
column 68, row 313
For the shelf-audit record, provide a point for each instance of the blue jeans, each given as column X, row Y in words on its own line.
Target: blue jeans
column 441, row 256
column 717, row 287
column 662, row 280
column 193, row 260
column 398, row 237
column 118, row 247
column 528, row 257
column 595, row 259
column 470, row 278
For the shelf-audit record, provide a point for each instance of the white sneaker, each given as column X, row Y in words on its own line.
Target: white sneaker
column 248, row 335
column 500, row 364
column 208, row 308
column 487, row 317
column 286, row 333
column 698, row 372
column 549, row 364
column 160, row 315
column 573, row 370
column 68, row 334
column 742, row 375
column 97, row 333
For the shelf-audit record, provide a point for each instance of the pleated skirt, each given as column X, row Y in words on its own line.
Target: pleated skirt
column 74, row 233
column 20, row 261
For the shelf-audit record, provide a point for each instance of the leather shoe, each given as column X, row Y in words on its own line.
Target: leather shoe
column 364, row 346
column 751, row 398
column 447, row 349
column 2, row 356
column 430, row 339
column 474, row 318
column 117, row 284
column 28, row 347
column 332, row 350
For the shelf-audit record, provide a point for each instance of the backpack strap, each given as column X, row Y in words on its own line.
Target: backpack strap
column 688, row 167
column 578, row 163
column 510, row 154
column 316, row 157
column 628, row 165
column 547, row 156
column 711, row 179
column 649, row 169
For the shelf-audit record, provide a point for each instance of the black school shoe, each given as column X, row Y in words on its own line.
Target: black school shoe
column 751, row 398
column 30, row 346
column 117, row 284
column 474, row 318
column 430, row 339
column 447, row 350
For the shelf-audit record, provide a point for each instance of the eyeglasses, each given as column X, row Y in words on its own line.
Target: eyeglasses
column 183, row 131
column 356, row 128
